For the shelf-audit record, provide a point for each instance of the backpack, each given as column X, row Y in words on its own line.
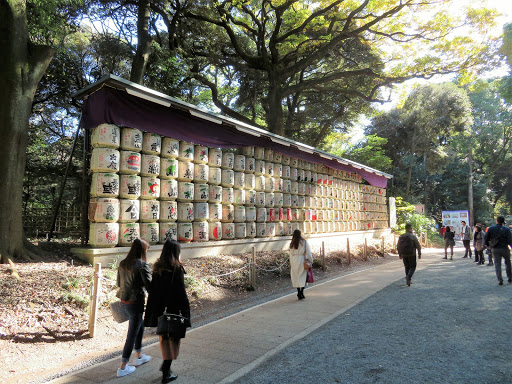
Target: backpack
column 405, row 245
column 496, row 240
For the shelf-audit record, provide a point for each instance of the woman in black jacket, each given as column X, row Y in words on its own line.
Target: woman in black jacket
column 449, row 242
column 133, row 279
column 168, row 293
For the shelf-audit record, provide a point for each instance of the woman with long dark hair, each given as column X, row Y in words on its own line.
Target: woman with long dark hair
column 168, row 293
column 449, row 242
column 479, row 243
column 133, row 280
column 299, row 252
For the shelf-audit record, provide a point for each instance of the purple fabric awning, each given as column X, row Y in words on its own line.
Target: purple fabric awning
column 113, row 106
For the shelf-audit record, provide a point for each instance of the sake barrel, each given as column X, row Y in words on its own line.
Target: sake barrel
column 307, row 166
column 301, row 189
column 259, row 184
column 103, row 210
column 239, row 163
column 201, row 173
column 250, row 213
column 152, row 144
column 228, row 231
column 271, row 229
column 103, row 235
column 170, row 148
column 314, row 166
column 130, row 163
column 186, row 171
column 286, row 172
column 250, row 230
column 168, row 211
column 287, row 186
column 185, row 232
column 300, row 164
column 287, row 200
column 128, row 232
column 293, row 174
column 130, row 186
column 150, row 165
column 131, row 139
column 278, row 199
column 239, row 182
column 201, row 231
column 278, row 170
column 228, row 178
column 287, row 228
column 150, row 188
column 215, row 212
column 228, row 160
column 288, row 215
column 301, row 175
column 285, row 160
column 149, row 210
column 129, row 210
column 280, row 229
column 239, row 197
column 259, row 153
column 301, row 226
column 250, row 164
column 320, row 214
column 228, row 196
column 239, row 214
column 269, row 169
column 269, row 155
column 259, row 168
column 250, row 181
column 250, row 197
column 201, row 211
column 307, row 214
column 105, row 185
column 215, row 194
column 319, row 178
column 214, row 176
column 168, row 189
column 261, row 229
column 215, row 157
column 294, row 162
column 168, row 168
column 228, row 213
column 150, row 232
column 215, row 229
column 279, row 212
column 270, row 184
column 168, row 231
column 248, row 151
column 106, row 136
column 240, row 231
column 201, row 154
column 201, row 192
column 294, row 187
column 307, row 177
column 186, row 152
column 271, row 215
column 269, row 199
column 185, row 191
column 260, row 199
column 105, row 160
column 261, row 214
column 278, row 158
column 185, row 212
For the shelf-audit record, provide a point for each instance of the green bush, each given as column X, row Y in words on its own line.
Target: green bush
column 420, row 223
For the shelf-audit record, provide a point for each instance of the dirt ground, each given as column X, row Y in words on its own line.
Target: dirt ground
column 44, row 306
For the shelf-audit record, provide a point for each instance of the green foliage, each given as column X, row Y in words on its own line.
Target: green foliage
column 371, row 152
column 72, row 283
column 420, row 223
column 76, row 299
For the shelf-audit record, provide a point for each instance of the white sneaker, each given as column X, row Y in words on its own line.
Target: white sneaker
column 126, row 371
column 141, row 360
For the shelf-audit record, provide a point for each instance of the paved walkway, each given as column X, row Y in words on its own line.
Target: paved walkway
column 225, row 350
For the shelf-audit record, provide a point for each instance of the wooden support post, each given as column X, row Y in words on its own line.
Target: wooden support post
column 383, row 246
column 253, row 267
column 323, row 256
column 93, row 313
column 365, row 249
column 348, row 251
column 394, row 243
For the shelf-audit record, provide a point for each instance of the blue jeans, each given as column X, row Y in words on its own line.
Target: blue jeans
column 498, row 254
column 135, row 331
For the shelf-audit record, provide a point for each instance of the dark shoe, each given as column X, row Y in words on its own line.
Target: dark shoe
column 444, row 258
column 408, row 281
column 451, row 258
column 170, row 377
column 510, row 279
column 490, row 264
column 464, row 257
column 500, row 282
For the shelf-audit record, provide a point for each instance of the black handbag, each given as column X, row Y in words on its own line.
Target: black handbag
column 171, row 325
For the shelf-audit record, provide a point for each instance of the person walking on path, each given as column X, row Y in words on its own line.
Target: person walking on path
column 299, row 253
column 465, row 235
column 449, row 242
column 499, row 239
column 168, row 294
column 133, row 280
column 479, row 244
column 407, row 245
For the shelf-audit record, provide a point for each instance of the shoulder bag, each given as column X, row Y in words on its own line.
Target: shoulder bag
column 307, row 264
column 171, row 325
column 118, row 312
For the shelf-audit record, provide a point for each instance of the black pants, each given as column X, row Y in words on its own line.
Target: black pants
column 479, row 256
column 468, row 248
column 410, row 265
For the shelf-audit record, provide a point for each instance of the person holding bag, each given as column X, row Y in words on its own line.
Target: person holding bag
column 449, row 242
column 301, row 260
column 133, row 280
column 168, row 307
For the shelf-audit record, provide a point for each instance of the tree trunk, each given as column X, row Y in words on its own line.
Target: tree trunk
column 275, row 116
column 144, row 43
column 411, row 161
column 21, row 68
column 470, row 189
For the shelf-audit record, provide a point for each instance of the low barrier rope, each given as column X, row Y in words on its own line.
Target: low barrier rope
column 275, row 269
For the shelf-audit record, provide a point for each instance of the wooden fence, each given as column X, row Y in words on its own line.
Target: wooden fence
column 38, row 221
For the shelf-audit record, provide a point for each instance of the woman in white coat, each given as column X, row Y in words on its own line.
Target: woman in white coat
column 299, row 252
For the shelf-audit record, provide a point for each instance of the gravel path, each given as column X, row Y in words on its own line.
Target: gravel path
column 451, row 326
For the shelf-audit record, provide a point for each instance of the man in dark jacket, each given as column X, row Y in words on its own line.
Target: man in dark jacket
column 408, row 252
column 499, row 239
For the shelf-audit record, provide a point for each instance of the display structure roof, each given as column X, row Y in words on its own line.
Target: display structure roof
column 115, row 100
